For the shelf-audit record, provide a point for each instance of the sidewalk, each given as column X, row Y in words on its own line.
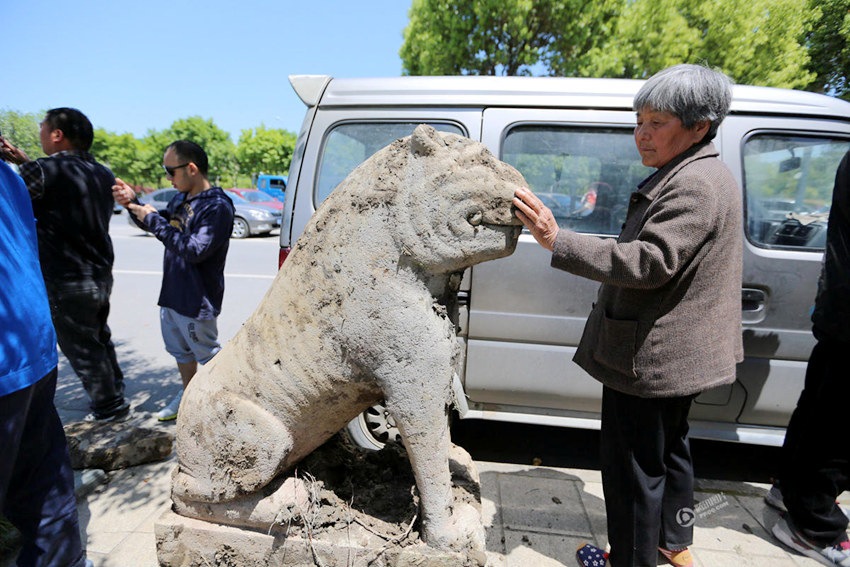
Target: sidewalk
column 535, row 516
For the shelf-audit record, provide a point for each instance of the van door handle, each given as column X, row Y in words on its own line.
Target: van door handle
column 753, row 305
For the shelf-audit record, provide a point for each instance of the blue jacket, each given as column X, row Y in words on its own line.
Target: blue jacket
column 27, row 340
column 196, row 234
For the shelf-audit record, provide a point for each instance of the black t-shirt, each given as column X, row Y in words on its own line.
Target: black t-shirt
column 72, row 217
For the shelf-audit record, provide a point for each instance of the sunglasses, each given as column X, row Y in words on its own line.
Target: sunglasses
column 169, row 170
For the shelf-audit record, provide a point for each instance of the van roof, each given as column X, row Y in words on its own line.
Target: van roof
column 542, row 92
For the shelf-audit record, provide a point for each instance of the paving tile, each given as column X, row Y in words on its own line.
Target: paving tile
column 98, row 559
column 803, row 561
column 714, row 558
column 104, row 542
column 724, row 524
column 542, row 505
column 130, row 499
column 766, row 515
column 540, row 550
column 138, row 550
column 496, row 560
column 491, row 515
column 594, row 506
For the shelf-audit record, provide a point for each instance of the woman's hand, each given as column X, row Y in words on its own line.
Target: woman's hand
column 536, row 217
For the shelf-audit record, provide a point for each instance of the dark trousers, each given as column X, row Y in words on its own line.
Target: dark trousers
column 79, row 309
column 815, row 456
column 36, row 480
column 647, row 476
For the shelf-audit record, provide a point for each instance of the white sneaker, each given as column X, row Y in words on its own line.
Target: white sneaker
column 774, row 498
column 838, row 554
column 169, row 412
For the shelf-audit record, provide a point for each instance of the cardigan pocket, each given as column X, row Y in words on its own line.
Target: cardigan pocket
column 615, row 347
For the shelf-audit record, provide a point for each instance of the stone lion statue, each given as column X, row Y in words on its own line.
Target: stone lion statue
column 356, row 314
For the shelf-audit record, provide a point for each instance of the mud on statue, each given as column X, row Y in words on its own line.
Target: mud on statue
column 357, row 314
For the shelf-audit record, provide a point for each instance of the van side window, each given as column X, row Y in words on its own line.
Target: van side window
column 584, row 175
column 788, row 182
column 350, row 144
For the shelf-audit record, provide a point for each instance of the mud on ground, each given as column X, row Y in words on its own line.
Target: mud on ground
column 358, row 494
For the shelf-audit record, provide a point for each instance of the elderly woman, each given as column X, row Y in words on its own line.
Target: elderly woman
column 667, row 321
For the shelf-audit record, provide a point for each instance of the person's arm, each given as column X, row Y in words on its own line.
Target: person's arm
column 126, row 197
column 210, row 228
column 682, row 220
column 30, row 170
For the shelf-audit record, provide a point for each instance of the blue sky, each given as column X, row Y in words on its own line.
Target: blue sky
column 130, row 66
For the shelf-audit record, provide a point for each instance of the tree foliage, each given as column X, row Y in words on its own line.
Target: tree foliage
column 22, row 130
column 761, row 42
column 265, row 150
column 829, row 47
column 215, row 141
column 755, row 42
column 489, row 37
column 138, row 161
column 121, row 153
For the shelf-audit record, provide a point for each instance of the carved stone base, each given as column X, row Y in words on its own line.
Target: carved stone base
column 363, row 513
column 185, row 542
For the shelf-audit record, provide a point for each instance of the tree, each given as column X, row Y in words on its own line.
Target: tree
column 829, row 47
column 490, row 37
column 215, row 141
column 22, row 130
column 121, row 153
column 266, row 150
column 756, row 42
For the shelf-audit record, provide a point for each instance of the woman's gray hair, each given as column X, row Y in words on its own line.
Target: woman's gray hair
column 692, row 93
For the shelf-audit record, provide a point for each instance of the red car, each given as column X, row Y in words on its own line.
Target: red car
column 257, row 197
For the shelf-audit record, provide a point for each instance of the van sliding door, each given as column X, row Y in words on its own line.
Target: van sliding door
column 525, row 317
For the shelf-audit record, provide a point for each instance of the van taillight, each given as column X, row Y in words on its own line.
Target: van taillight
column 284, row 252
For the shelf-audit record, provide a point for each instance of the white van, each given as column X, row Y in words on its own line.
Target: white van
column 573, row 141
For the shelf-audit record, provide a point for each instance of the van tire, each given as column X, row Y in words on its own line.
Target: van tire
column 240, row 228
column 373, row 428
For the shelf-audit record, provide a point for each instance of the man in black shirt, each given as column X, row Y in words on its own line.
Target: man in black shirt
column 72, row 201
column 815, row 460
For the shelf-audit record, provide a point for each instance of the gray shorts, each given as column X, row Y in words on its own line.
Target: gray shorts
column 188, row 339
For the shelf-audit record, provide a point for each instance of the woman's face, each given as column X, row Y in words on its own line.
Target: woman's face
column 660, row 136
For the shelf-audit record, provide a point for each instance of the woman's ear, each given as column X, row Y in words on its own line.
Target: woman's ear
column 701, row 128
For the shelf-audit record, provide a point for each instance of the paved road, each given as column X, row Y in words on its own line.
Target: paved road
column 134, row 317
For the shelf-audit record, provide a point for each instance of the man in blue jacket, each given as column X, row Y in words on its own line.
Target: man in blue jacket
column 36, row 480
column 195, row 230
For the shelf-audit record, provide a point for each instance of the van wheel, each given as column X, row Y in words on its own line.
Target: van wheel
column 240, row 228
column 373, row 428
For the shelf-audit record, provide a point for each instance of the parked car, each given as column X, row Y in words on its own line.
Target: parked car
column 248, row 218
column 520, row 321
column 258, row 197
